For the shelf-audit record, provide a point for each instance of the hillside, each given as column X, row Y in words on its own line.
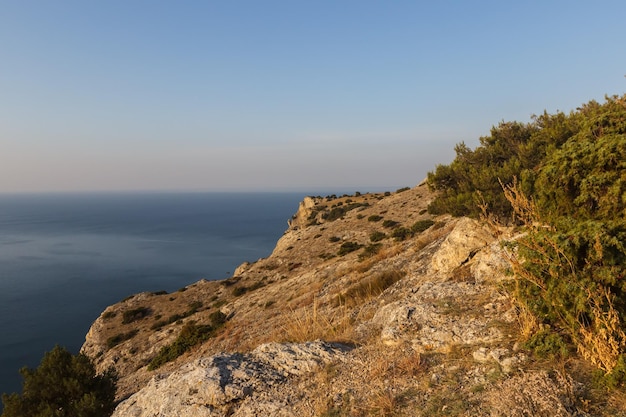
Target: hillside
column 418, row 323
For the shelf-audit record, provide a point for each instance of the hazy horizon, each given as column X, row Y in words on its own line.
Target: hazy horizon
column 281, row 96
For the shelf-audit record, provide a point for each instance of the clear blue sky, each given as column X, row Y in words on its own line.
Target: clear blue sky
column 282, row 95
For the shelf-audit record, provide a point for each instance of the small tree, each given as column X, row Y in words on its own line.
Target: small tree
column 64, row 385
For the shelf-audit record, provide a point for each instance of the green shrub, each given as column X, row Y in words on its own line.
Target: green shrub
column 340, row 210
column 239, row 291
column 194, row 306
column 421, row 225
column 348, row 247
column 377, row 236
column 135, row 314
column 401, row 233
column 63, row 385
column 334, row 239
column 370, row 250
column 190, row 335
column 374, row 218
column 547, row 344
column 390, row 224
column 474, row 174
column 217, row 319
column 121, row 337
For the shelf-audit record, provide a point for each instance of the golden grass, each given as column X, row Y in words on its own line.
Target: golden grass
column 383, row 402
column 384, row 253
column 309, row 323
column 527, row 322
column 369, row 287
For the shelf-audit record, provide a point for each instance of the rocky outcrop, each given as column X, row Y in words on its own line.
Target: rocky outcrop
column 303, row 216
column 231, row 384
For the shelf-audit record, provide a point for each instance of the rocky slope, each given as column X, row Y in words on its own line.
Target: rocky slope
column 367, row 306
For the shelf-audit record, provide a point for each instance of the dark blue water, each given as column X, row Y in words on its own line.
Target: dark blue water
column 65, row 257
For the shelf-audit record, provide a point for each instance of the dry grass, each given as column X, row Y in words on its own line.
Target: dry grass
column 389, row 372
column 369, row 287
column 385, row 253
column 382, row 403
column 395, row 363
column 528, row 323
column 535, row 394
column 603, row 342
column 309, row 323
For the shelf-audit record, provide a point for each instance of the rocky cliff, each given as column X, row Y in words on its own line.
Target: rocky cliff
column 367, row 306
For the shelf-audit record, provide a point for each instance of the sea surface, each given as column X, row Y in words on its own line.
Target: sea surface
column 65, row 257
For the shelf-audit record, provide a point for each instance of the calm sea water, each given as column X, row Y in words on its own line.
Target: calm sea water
column 65, row 257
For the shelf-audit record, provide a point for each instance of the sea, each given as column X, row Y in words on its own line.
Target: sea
column 66, row 257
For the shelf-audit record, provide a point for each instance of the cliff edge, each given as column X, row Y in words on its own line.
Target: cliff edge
column 367, row 306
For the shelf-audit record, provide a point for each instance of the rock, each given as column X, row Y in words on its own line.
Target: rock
column 218, row 385
column 501, row 356
column 431, row 318
column 460, row 246
column 298, row 359
column 305, row 209
column 242, row 268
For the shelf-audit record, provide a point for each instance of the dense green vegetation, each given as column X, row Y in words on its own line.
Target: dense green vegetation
column 190, row 335
column 64, row 385
column 564, row 177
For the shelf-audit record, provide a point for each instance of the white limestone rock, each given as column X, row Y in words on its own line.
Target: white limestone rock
column 228, row 384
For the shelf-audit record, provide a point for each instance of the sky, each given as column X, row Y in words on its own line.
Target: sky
column 153, row 95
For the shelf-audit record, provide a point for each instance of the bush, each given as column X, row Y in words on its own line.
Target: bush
column 194, row 306
column 401, row 233
column 121, row 337
column 135, row 314
column 390, row 224
column 217, row 319
column 421, row 225
column 348, row 247
column 377, row 236
column 239, row 291
column 370, row 250
column 572, row 199
column 340, row 210
column 64, row 385
column 547, row 344
column 374, row 218
column 190, row 335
